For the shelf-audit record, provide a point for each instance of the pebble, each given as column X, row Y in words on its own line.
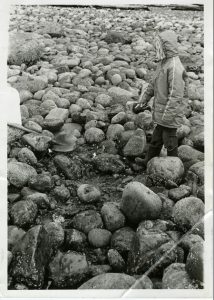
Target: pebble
column 94, row 135
column 87, row 220
column 88, row 193
column 75, row 240
column 41, row 182
column 116, row 261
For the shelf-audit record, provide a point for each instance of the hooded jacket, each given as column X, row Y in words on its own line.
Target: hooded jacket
column 169, row 85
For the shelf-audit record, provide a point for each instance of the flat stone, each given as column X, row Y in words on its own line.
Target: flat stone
column 58, row 113
column 108, row 163
column 38, row 142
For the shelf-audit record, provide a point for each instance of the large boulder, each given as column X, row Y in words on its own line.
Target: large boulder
column 189, row 155
column 152, row 249
column 162, row 169
column 68, row 270
column 187, row 212
column 31, row 257
column 140, row 203
column 18, row 173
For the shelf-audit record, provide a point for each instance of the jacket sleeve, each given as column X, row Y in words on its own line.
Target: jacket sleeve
column 174, row 83
column 186, row 84
column 148, row 94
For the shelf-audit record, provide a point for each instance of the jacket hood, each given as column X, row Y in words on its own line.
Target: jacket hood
column 169, row 43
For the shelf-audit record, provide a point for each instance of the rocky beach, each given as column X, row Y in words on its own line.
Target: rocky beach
column 82, row 212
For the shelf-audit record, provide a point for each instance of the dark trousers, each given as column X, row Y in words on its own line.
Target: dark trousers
column 163, row 136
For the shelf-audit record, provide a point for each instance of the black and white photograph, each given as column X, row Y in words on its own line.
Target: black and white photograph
column 106, row 147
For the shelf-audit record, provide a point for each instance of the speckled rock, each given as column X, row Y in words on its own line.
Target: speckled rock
column 30, row 258
column 27, row 156
column 187, row 212
column 87, row 220
column 176, row 277
column 41, row 182
column 19, row 173
column 122, row 239
column 38, row 142
column 116, row 261
column 14, row 235
column 195, row 262
column 68, row 270
column 162, row 169
column 94, row 135
column 75, row 240
column 23, row 213
column 88, row 193
column 108, row 163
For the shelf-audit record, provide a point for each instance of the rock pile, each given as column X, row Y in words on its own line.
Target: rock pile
column 81, row 212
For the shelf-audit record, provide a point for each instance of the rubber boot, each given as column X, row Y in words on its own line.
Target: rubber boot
column 152, row 152
column 173, row 152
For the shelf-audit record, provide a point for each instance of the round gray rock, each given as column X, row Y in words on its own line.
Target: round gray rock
column 187, row 212
column 112, row 216
column 87, row 220
column 162, row 169
column 140, row 203
column 23, row 213
column 94, row 135
column 98, row 237
column 18, row 173
column 176, row 277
